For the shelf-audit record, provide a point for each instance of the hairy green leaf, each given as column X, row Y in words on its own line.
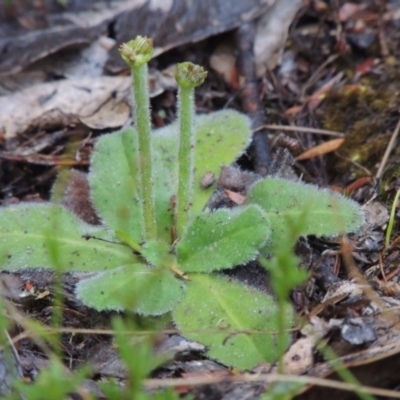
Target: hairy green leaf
column 324, row 212
column 225, row 315
column 138, row 287
column 221, row 137
column 158, row 254
column 222, row 239
column 165, row 177
column 29, row 230
column 224, row 135
column 112, row 182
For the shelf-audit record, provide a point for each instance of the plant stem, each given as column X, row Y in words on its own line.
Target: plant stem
column 137, row 53
column 185, row 156
column 281, row 340
column 142, row 122
column 391, row 219
column 188, row 77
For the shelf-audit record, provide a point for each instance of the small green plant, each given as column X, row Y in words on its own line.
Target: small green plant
column 53, row 382
column 160, row 248
column 139, row 358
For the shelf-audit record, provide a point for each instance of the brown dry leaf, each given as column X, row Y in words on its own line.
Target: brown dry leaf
column 271, row 34
column 237, row 198
column 66, row 101
column 321, row 149
column 319, row 95
column 97, row 102
column 223, row 62
column 373, row 367
column 293, row 110
column 169, row 23
column 343, row 289
column 360, row 182
column 42, row 295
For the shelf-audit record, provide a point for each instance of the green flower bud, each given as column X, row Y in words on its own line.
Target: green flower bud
column 191, row 75
column 138, row 51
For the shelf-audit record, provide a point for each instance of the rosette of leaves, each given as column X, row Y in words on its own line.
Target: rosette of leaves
column 159, row 249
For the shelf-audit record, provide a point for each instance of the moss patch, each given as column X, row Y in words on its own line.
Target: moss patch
column 367, row 114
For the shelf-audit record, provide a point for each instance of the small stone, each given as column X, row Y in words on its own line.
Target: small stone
column 207, row 180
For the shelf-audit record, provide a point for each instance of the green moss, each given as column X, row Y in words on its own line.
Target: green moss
column 366, row 113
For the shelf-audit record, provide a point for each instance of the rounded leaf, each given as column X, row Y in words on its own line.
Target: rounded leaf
column 226, row 315
column 139, row 287
column 112, row 178
column 34, row 235
column 222, row 239
column 322, row 211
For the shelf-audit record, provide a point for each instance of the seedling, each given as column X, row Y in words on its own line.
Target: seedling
column 164, row 245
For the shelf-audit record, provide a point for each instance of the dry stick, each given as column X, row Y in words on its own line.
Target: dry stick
column 314, row 77
column 249, row 97
column 388, row 150
column 269, row 378
column 15, row 315
column 300, row 129
column 110, row 332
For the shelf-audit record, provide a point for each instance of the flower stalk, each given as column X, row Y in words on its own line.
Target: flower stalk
column 137, row 53
column 188, row 76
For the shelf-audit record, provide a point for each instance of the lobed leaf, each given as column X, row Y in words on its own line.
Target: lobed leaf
column 322, row 211
column 138, row 287
column 29, row 233
column 223, row 314
column 222, row 239
column 112, row 178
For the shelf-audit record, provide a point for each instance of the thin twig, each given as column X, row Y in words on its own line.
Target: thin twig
column 269, row 378
column 110, row 332
column 315, row 76
column 388, row 150
column 300, row 129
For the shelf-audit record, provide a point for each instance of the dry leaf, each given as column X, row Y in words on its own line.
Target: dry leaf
column 237, row 198
column 271, row 34
column 223, row 61
column 293, row 110
column 319, row 95
column 321, row 149
column 360, row 182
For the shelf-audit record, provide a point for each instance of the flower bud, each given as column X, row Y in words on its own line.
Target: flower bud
column 138, row 51
column 188, row 74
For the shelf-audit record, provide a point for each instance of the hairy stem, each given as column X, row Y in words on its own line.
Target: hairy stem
column 188, row 76
column 137, row 53
column 142, row 122
column 185, row 157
